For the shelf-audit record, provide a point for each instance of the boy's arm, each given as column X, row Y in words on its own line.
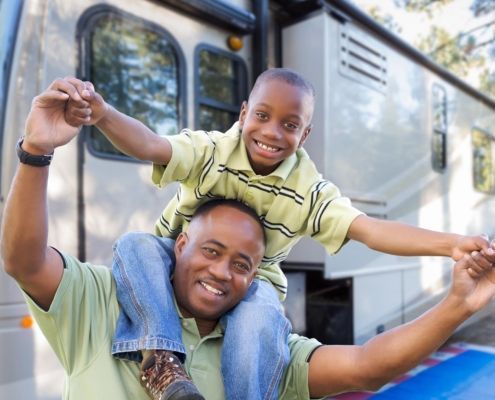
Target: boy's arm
column 37, row 268
column 335, row 369
column 406, row 240
column 127, row 134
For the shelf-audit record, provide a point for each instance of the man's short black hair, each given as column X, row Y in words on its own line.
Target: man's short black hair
column 205, row 208
column 286, row 75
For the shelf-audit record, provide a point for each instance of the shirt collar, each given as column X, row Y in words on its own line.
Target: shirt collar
column 192, row 327
column 239, row 160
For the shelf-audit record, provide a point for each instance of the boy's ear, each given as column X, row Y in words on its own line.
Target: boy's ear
column 243, row 113
column 305, row 135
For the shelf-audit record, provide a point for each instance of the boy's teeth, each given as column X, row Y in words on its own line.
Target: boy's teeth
column 267, row 148
column 211, row 289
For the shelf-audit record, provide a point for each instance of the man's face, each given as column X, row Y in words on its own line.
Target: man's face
column 216, row 261
column 275, row 123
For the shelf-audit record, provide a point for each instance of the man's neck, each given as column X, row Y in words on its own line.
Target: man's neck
column 205, row 327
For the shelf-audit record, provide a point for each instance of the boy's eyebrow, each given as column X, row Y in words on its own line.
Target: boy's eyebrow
column 246, row 257
column 270, row 107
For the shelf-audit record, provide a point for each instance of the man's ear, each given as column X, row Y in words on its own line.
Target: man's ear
column 180, row 242
column 243, row 114
column 305, row 135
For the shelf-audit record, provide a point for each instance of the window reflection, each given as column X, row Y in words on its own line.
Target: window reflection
column 483, row 161
column 221, row 82
column 135, row 69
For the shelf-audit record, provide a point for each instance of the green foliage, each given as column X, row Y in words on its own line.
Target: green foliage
column 461, row 53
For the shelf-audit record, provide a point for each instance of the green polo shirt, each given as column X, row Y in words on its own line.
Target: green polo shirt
column 79, row 327
column 293, row 201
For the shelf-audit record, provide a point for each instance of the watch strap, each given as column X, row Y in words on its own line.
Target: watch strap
column 32, row 159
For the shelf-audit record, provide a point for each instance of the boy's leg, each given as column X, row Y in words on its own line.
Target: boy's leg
column 255, row 350
column 148, row 320
column 142, row 267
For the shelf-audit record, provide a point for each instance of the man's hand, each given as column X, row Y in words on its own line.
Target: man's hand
column 89, row 109
column 46, row 127
column 473, row 289
column 468, row 244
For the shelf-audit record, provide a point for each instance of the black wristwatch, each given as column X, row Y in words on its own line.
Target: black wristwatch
column 31, row 159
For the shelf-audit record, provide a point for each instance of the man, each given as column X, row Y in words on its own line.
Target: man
column 75, row 303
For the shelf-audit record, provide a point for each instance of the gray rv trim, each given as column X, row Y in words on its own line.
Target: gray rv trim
column 10, row 13
column 334, row 6
column 217, row 12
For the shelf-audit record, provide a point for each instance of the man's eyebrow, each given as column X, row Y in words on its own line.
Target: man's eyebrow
column 248, row 259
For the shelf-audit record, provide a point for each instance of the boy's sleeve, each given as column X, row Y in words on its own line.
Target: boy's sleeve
column 330, row 216
column 78, row 322
column 190, row 151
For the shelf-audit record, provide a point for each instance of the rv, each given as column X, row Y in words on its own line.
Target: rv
column 402, row 137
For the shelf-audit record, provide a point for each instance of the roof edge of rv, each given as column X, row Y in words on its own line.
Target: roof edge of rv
column 363, row 18
column 218, row 12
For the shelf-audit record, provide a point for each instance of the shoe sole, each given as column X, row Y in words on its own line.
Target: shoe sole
column 181, row 390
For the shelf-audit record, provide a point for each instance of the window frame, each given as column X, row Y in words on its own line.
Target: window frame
column 85, row 27
column 200, row 100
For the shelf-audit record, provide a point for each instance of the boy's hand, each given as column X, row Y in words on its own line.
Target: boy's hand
column 473, row 289
column 468, row 244
column 89, row 108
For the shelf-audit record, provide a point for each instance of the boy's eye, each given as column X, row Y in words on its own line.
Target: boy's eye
column 292, row 126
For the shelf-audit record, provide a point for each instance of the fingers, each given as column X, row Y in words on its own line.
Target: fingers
column 476, row 264
column 487, row 248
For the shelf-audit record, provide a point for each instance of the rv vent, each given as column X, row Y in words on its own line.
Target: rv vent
column 362, row 59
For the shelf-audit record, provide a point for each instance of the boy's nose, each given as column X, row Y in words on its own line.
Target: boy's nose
column 272, row 131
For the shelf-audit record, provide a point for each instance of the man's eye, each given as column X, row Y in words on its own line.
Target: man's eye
column 242, row 267
column 261, row 115
column 210, row 251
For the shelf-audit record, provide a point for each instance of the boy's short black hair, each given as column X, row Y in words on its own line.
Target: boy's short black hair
column 205, row 208
column 286, row 75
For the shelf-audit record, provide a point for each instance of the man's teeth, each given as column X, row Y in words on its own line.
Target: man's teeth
column 267, row 148
column 212, row 289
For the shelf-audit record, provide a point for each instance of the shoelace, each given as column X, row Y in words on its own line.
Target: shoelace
column 166, row 369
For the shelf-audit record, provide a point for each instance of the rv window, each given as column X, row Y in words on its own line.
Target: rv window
column 136, row 69
column 439, row 135
column 220, row 88
column 9, row 18
column 483, row 161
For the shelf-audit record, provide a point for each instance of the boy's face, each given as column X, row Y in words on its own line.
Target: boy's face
column 216, row 261
column 275, row 123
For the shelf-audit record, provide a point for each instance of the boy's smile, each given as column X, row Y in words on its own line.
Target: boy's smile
column 275, row 123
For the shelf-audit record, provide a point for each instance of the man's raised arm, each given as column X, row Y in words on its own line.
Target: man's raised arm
column 335, row 369
column 26, row 256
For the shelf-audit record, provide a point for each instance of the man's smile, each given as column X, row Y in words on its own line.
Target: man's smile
column 211, row 289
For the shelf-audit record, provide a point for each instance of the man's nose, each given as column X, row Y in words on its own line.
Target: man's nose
column 221, row 270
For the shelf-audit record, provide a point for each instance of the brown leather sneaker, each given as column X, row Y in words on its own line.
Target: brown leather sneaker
column 164, row 377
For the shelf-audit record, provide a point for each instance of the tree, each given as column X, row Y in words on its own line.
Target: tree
column 467, row 51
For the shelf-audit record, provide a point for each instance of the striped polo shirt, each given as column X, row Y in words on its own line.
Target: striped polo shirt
column 293, row 201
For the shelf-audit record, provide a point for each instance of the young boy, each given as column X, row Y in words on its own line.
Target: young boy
column 259, row 161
